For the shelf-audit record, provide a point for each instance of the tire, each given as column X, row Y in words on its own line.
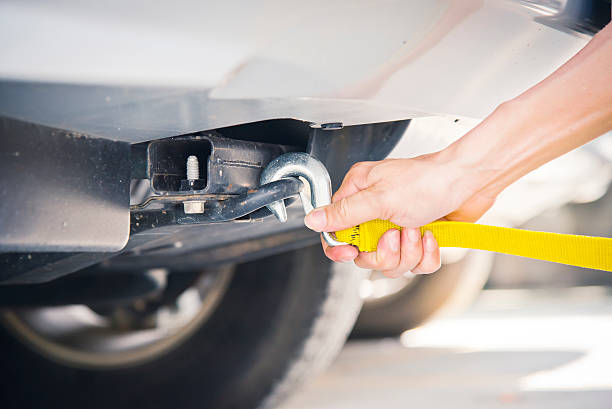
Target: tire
column 452, row 288
column 281, row 320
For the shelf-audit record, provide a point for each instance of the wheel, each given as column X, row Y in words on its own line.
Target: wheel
column 392, row 306
column 258, row 332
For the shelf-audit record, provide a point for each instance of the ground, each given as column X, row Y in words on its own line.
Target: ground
column 514, row 348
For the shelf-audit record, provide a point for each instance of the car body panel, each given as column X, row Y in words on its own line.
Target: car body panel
column 140, row 71
column 149, row 70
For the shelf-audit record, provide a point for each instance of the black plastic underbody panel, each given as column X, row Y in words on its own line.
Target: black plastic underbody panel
column 62, row 190
column 65, row 205
column 338, row 149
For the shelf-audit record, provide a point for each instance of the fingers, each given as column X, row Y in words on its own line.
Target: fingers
column 348, row 212
column 352, row 204
column 431, row 255
column 421, row 256
column 411, row 252
column 386, row 257
column 354, row 180
column 341, row 254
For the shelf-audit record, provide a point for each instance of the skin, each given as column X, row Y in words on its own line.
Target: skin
column 461, row 182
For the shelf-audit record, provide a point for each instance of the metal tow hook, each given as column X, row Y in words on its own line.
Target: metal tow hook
column 300, row 164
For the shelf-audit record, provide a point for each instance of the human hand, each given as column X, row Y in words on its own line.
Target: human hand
column 409, row 193
column 567, row 109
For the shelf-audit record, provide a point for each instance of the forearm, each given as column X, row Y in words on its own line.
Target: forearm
column 569, row 108
column 566, row 110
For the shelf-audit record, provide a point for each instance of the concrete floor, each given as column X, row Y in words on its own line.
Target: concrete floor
column 512, row 349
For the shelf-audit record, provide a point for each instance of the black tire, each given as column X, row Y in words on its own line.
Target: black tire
column 453, row 287
column 282, row 319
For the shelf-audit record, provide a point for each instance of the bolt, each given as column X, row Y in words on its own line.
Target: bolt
column 193, row 174
column 193, row 168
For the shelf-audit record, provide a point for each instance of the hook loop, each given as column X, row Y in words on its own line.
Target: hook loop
column 301, row 164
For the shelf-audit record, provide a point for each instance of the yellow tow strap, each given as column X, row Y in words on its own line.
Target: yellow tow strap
column 580, row 251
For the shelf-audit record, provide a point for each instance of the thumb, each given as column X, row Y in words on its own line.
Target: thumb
column 351, row 210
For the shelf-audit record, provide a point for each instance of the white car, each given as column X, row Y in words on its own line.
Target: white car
column 130, row 279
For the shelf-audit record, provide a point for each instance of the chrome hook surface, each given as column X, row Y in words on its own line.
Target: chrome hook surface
column 300, row 164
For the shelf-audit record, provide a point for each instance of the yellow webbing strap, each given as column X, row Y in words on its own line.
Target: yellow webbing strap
column 580, row 251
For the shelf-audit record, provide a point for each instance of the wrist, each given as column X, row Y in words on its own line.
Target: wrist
column 462, row 174
column 487, row 159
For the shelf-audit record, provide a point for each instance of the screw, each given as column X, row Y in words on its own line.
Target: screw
column 193, row 168
column 193, row 174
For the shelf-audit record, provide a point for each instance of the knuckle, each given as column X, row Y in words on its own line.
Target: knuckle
column 343, row 209
column 396, row 262
column 351, row 175
column 354, row 168
column 364, row 261
column 411, row 256
column 379, row 173
column 358, row 166
column 357, row 174
column 387, row 262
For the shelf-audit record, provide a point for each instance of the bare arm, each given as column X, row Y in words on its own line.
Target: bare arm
column 569, row 108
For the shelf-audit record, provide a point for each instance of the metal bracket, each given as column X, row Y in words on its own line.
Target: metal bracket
column 299, row 164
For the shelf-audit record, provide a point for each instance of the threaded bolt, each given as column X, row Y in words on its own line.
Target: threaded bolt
column 193, row 168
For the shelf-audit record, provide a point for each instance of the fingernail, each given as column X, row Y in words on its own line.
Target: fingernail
column 414, row 234
column 316, row 220
column 346, row 259
column 429, row 242
column 393, row 239
column 409, row 274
